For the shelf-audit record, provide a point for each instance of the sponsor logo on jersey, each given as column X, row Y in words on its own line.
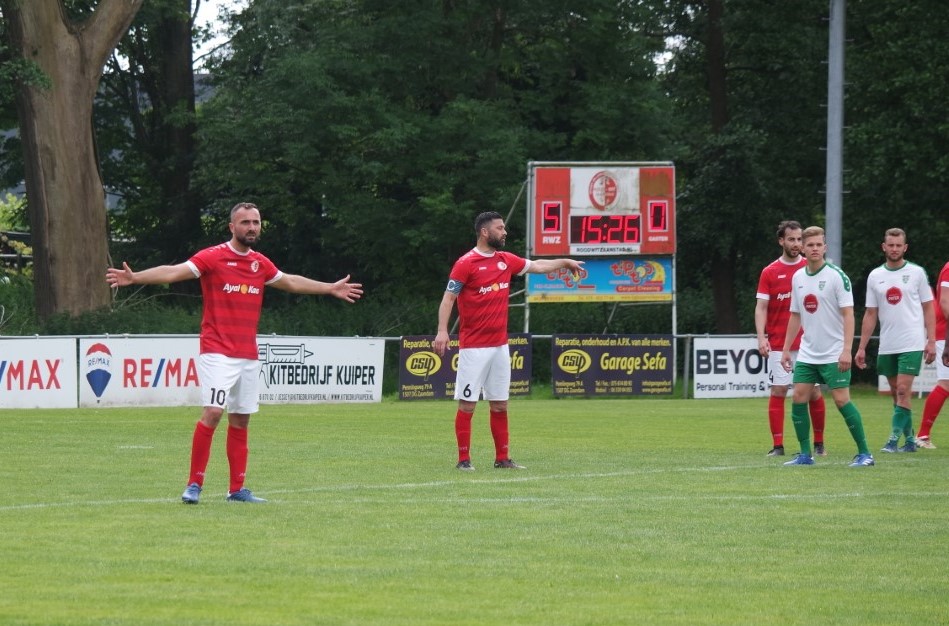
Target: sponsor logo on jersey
column 784, row 296
column 894, row 295
column 492, row 288
column 242, row 288
column 810, row 303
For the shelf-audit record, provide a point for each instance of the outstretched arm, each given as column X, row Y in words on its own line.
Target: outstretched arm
column 342, row 288
column 545, row 266
column 153, row 276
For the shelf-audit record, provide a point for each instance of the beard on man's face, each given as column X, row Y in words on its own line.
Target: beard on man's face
column 248, row 240
column 496, row 242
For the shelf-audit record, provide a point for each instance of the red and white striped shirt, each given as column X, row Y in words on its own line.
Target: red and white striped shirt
column 483, row 300
column 232, row 285
column 774, row 285
column 942, row 281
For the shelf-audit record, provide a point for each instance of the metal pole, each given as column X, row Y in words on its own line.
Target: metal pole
column 835, row 125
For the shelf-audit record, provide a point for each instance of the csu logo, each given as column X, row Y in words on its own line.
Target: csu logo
column 574, row 362
column 423, row 364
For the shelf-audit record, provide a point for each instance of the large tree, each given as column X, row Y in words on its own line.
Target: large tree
column 145, row 121
column 63, row 184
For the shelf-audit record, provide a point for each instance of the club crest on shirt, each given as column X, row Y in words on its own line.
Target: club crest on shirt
column 821, row 284
column 502, row 265
column 905, row 278
column 254, row 266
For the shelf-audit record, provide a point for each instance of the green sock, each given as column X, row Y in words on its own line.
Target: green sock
column 896, row 424
column 907, row 423
column 855, row 424
column 802, row 426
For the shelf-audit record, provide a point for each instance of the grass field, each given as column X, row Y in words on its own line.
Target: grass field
column 631, row 511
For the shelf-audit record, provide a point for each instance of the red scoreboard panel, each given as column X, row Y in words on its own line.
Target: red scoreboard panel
column 601, row 209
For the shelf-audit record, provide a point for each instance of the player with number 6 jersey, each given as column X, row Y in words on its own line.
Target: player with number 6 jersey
column 480, row 282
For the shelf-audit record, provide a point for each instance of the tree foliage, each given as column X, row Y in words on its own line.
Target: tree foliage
column 371, row 133
column 371, row 136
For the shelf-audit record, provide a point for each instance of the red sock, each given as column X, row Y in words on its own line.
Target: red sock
column 200, row 452
column 237, row 456
column 463, row 434
column 937, row 397
column 500, row 434
column 818, row 417
column 776, row 419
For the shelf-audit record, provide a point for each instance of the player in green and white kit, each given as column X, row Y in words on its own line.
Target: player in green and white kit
column 822, row 304
column 898, row 293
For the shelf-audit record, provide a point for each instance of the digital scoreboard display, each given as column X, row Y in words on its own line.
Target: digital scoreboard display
column 602, row 210
column 610, row 229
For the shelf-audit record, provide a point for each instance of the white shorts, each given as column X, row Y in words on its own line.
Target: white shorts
column 942, row 372
column 777, row 375
column 229, row 383
column 486, row 370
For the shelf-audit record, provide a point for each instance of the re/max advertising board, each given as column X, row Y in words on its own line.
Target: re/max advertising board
column 148, row 371
column 38, row 372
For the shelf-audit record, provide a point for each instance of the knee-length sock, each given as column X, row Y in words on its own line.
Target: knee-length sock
column 237, row 456
column 776, row 419
column 463, row 434
column 931, row 409
column 818, row 418
column 855, row 425
column 499, row 433
column 802, row 426
column 200, row 452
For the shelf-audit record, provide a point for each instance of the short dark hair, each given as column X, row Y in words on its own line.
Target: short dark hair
column 485, row 218
column 787, row 225
column 242, row 205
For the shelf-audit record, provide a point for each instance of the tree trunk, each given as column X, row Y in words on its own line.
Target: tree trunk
column 63, row 185
column 723, row 269
column 175, row 144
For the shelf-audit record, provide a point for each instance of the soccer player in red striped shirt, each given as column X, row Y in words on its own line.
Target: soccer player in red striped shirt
column 940, row 392
column 233, row 276
column 480, row 282
column 772, row 311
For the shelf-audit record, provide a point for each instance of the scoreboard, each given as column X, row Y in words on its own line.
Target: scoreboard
column 609, row 209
